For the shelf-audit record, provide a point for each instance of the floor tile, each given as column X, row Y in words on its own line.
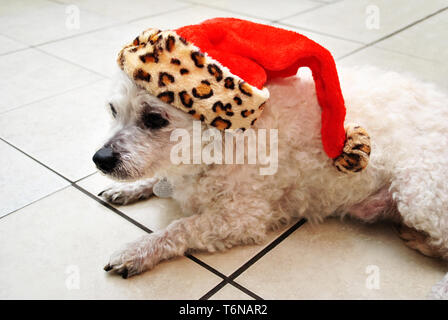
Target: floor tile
column 157, row 214
column 337, row 47
column 9, row 45
column 264, row 9
column 188, row 16
column 56, row 249
column 126, row 10
column 426, row 70
column 49, row 22
column 30, row 75
column 106, row 43
column 23, row 180
column 20, row 6
column 356, row 19
column 425, row 39
column 343, row 260
column 154, row 213
column 229, row 292
column 62, row 132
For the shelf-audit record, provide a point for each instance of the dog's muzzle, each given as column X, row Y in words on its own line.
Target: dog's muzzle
column 106, row 159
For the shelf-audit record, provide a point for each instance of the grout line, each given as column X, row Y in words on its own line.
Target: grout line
column 254, row 259
column 51, row 96
column 39, row 162
column 26, row 45
column 70, row 62
column 321, row 4
column 87, row 176
column 393, row 33
column 406, row 54
column 34, row 201
column 113, row 25
column 14, row 51
column 215, row 289
column 268, row 248
column 226, row 280
column 230, row 11
column 319, row 32
column 206, row 266
column 245, row 290
column 110, row 207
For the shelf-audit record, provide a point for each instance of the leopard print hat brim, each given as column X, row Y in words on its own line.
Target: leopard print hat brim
column 178, row 73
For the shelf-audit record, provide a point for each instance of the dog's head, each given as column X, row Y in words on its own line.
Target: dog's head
column 139, row 144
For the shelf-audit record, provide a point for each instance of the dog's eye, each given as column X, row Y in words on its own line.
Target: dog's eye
column 154, row 120
column 113, row 110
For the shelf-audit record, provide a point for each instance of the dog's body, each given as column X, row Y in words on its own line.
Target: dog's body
column 227, row 205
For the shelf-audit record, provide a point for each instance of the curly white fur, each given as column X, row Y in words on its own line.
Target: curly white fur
column 406, row 179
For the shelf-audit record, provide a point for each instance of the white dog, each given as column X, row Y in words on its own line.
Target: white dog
column 228, row 205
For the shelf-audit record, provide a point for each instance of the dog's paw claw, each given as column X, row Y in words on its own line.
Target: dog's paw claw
column 101, row 193
column 122, row 270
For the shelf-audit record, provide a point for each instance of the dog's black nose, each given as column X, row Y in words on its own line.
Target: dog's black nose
column 105, row 159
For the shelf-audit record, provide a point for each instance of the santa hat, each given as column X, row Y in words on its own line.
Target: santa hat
column 216, row 71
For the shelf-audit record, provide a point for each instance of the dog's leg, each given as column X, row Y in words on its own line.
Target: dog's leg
column 210, row 231
column 420, row 191
column 125, row 193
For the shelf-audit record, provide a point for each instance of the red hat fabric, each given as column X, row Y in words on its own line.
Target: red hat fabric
column 216, row 71
column 257, row 53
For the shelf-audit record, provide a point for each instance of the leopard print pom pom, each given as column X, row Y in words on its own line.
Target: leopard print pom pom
column 356, row 152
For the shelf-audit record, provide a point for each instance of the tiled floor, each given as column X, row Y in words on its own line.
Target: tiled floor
column 55, row 234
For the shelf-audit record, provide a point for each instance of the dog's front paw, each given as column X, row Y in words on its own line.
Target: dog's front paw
column 130, row 261
column 125, row 193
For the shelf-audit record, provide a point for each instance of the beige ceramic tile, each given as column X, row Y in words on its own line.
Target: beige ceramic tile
column 154, row 213
column 229, row 292
column 126, row 10
column 9, row 45
column 337, row 47
column 340, row 260
column 49, row 21
column 8, row 8
column 426, row 70
column 264, row 9
column 106, row 43
column 56, row 248
column 30, row 75
column 229, row 261
column 426, row 39
column 356, row 19
column 188, row 16
column 157, row 214
column 22, row 180
column 63, row 132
